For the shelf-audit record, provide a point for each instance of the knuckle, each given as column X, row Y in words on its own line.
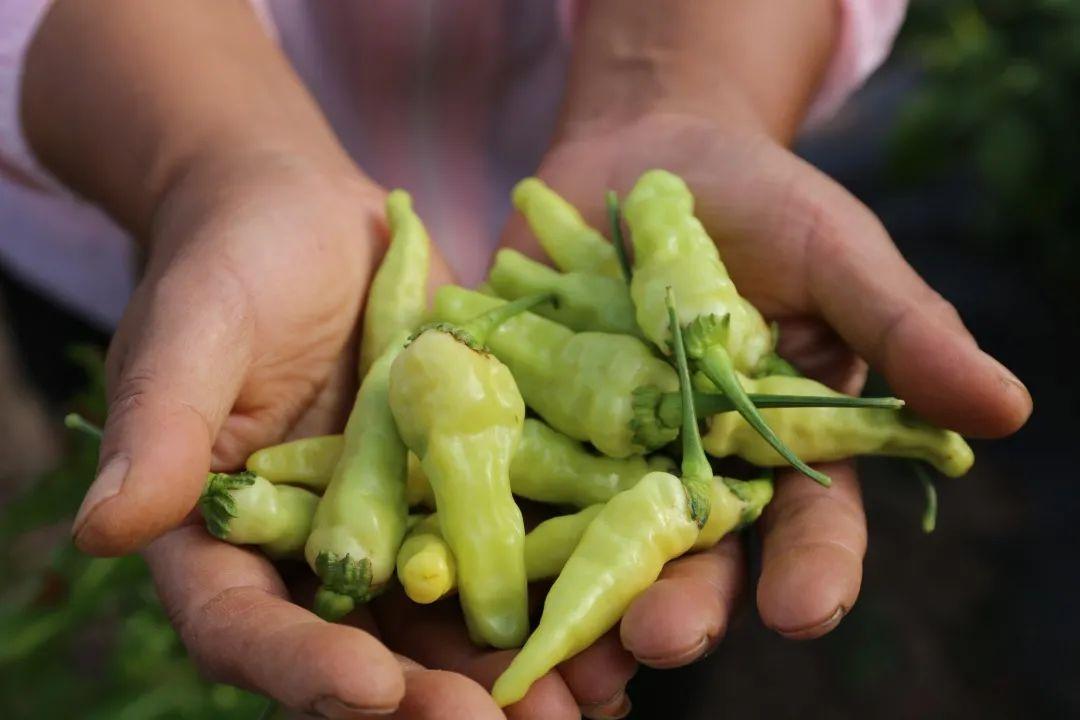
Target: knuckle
column 208, row 631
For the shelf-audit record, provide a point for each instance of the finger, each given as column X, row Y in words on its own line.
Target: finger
column 175, row 382
column 435, row 636
column 442, row 695
column 814, row 540
column 597, row 677
column 882, row 308
column 685, row 613
column 230, row 609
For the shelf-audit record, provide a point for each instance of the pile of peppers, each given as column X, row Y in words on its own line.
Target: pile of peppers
column 577, row 386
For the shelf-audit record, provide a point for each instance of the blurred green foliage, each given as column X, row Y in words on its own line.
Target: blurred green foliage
column 998, row 105
column 86, row 637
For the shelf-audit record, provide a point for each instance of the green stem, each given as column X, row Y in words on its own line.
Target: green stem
column 717, row 365
column 709, row 404
column 929, row 518
column 696, row 470
column 481, row 326
column 614, row 218
column 75, row 421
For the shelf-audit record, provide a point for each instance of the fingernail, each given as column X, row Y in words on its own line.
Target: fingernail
column 615, row 707
column 814, row 631
column 333, row 708
column 1008, row 378
column 107, row 485
column 680, row 658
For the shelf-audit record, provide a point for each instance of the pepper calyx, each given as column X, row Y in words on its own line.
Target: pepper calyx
column 704, row 332
column 649, row 430
column 345, row 575
column 457, row 332
column 217, row 505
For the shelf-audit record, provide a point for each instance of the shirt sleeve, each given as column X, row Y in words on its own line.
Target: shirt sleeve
column 867, row 31
column 19, row 20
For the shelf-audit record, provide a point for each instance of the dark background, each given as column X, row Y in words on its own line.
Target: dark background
column 967, row 145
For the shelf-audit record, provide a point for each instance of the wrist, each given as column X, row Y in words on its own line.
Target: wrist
column 741, row 64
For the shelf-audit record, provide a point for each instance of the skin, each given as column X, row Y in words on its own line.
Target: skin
column 204, row 182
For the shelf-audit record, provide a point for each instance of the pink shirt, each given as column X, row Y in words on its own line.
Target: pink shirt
column 455, row 104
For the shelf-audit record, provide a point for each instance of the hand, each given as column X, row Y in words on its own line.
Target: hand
column 230, row 345
column 811, row 256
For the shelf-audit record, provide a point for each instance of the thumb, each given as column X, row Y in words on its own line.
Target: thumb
column 176, row 366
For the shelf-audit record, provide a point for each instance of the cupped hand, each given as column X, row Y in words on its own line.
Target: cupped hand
column 242, row 332
column 812, row 257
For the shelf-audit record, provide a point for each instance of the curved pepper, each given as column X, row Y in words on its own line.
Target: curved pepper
column 825, row 434
column 620, row 555
column 459, row 410
column 571, row 243
column 725, row 333
column 397, row 298
column 584, row 301
column 245, row 509
column 308, row 461
column 360, row 520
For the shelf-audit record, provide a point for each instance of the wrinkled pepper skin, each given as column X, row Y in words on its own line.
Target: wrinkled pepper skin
column 309, row 461
column 672, row 249
column 586, row 302
column 826, row 434
column 568, row 240
column 581, row 384
column 245, row 509
column 619, row 556
column 361, row 518
column 425, row 565
column 460, row 411
column 397, row 299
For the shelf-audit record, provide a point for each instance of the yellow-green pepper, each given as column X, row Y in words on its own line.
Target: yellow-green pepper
column 397, row 298
column 459, row 409
column 620, row 555
column 565, row 236
column 245, row 509
column 425, row 565
column 822, row 434
column 360, row 520
column 583, row 301
column 308, row 461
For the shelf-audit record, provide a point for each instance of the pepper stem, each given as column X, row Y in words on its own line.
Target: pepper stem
column 696, row 471
column 614, row 219
column 717, row 365
column 929, row 518
column 482, row 325
column 706, row 405
column 75, row 421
